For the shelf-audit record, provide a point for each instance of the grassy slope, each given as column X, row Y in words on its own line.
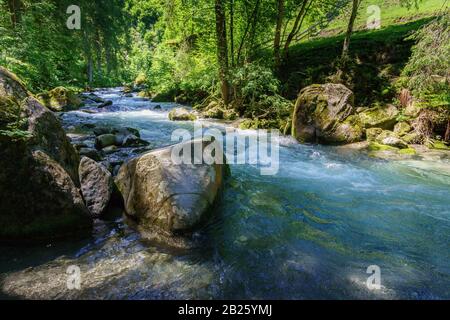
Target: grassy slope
column 391, row 13
column 380, row 55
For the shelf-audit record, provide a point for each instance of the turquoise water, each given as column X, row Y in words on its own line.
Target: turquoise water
column 309, row 232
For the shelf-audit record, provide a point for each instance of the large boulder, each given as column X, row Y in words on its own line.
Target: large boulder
column 96, row 186
column 60, row 99
column 39, row 196
column 323, row 113
column 169, row 200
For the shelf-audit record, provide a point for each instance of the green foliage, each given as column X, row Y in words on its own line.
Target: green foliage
column 45, row 53
column 427, row 73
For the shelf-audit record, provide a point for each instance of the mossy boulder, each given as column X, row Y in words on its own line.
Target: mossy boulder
column 39, row 195
column 60, row 99
column 412, row 137
column 373, row 133
column 402, row 128
column 385, row 137
column 215, row 110
column 383, row 117
column 394, row 142
column 181, row 114
column 105, row 140
column 322, row 114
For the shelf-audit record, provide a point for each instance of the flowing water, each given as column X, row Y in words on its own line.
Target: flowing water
column 309, row 232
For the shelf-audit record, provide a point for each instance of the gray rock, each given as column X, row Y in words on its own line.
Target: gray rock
column 96, row 186
column 132, row 141
column 105, row 140
column 105, row 104
column 169, row 199
column 383, row 117
column 394, row 142
column 324, row 114
column 39, row 183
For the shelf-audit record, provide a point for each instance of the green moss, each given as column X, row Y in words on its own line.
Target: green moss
column 436, row 144
column 373, row 146
column 176, row 115
column 409, row 151
column 254, row 124
column 60, row 99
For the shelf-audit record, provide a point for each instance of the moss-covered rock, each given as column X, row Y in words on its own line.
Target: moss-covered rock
column 322, row 114
column 181, row 114
column 375, row 146
column 145, row 94
column 436, row 144
column 60, row 99
column 383, row 117
column 402, row 128
column 408, row 151
column 373, row 133
column 411, row 137
column 394, row 142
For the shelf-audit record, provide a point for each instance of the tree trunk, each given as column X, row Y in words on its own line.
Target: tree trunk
column 90, row 70
column 246, row 31
column 15, row 6
column 277, row 40
column 232, row 32
column 351, row 22
column 297, row 25
column 447, row 132
column 222, row 49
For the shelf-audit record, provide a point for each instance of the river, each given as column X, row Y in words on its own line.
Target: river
column 309, row 232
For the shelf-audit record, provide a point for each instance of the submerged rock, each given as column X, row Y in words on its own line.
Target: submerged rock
column 105, row 104
column 323, row 114
column 96, row 186
column 169, row 200
column 181, row 114
column 39, row 176
column 132, row 141
column 92, row 97
column 60, row 99
column 105, row 140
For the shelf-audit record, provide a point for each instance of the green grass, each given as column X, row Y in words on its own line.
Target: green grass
column 391, row 13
